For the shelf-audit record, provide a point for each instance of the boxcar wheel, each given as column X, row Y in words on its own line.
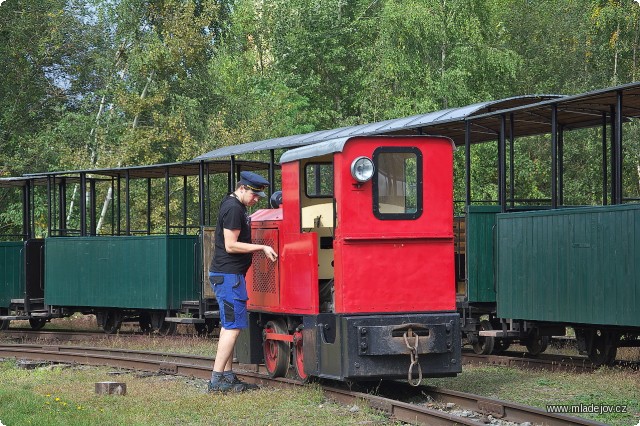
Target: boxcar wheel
column 37, row 323
column 484, row 345
column 276, row 352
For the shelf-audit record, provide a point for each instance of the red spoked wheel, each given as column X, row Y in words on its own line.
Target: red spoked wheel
column 298, row 355
column 277, row 353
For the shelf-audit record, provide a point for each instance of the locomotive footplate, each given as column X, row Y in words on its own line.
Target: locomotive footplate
column 369, row 347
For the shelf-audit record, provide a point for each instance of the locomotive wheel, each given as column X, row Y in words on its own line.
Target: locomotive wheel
column 603, row 349
column 298, row 356
column 37, row 323
column 276, row 352
column 536, row 344
column 485, row 344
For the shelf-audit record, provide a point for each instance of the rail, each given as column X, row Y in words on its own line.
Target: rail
column 200, row 367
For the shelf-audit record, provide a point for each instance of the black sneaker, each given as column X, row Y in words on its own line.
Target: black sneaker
column 247, row 386
column 236, row 385
column 219, row 386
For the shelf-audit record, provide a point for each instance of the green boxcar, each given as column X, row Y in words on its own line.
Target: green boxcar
column 577, row 265
column 134, row 272
column 11, row 272
column 480, row 226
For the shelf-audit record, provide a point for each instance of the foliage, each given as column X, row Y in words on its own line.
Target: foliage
column 130, row 82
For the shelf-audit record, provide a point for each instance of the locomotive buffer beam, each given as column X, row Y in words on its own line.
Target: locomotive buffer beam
column 389, row 340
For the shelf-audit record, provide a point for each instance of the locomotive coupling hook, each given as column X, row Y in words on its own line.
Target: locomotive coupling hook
column 413, row 354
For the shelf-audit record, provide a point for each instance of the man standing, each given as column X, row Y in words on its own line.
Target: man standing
column 232, row 255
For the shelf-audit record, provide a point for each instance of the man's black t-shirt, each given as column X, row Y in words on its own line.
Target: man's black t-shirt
column 232, row 215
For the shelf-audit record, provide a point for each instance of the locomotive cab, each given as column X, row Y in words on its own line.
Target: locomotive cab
column 364, row 284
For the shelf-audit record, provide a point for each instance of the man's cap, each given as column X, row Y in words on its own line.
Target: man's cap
column 254, row 182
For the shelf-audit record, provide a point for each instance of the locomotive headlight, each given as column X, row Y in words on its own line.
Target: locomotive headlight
column 362, row 169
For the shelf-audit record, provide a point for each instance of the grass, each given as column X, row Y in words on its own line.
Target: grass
column 538, row 388
column 65, row 396
column 184, row 402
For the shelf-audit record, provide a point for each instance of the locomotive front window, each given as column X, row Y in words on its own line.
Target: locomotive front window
column 319, row 180
column 397, row 183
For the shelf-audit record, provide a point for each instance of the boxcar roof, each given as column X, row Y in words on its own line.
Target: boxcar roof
column 531, row 115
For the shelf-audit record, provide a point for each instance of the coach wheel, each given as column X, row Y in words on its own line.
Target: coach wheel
column 160, row 326
column 167, row 328
column 500, row 346
column 206, row 328
column 298, row 356
column 145, row 323
column 603, row 349
column 37, row 323
column 112, row 322
column 4, row 324
column 276, row 352
column 484, row 344
column 536, row 344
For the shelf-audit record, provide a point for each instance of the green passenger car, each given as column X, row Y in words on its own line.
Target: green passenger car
column 124, row 272
column 480, row 228
column 572, row 266
column 11, row 273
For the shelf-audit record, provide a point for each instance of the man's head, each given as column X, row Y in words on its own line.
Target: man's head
column 252, row 185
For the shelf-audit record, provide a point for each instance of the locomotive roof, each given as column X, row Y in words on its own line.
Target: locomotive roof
column 531, row 115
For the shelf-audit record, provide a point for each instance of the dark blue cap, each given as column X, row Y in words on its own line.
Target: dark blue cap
column 254, row 182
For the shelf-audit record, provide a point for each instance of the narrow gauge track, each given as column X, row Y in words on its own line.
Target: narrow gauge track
column 78, row 335
column 200, row 367
column 551, row 362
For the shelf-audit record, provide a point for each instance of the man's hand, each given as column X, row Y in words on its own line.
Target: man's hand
column 270, row 253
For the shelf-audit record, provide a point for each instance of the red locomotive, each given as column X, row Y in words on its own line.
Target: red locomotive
column 364, row 284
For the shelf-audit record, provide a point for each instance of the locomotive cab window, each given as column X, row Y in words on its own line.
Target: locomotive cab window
column 319, row 180
column 397, row 183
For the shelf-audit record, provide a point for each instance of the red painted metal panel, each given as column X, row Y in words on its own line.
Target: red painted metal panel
column 263, row 280
column 380, row 265
column 395, row 265
column 297, row 254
